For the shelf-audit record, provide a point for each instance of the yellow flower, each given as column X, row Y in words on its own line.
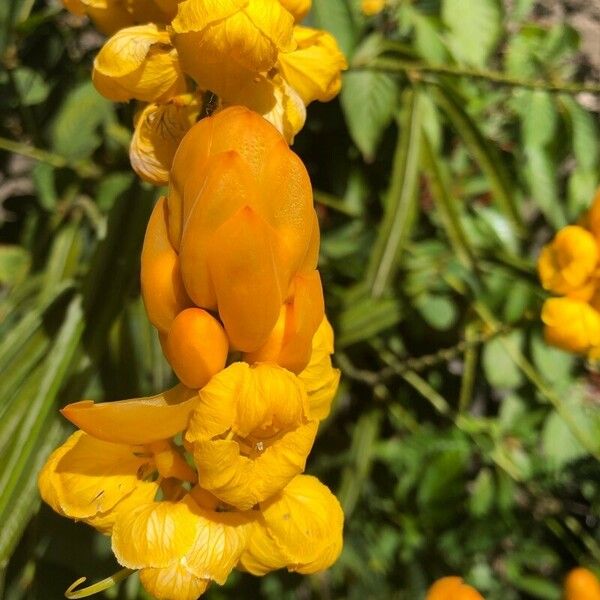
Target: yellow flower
column 196, row 346
column 135, row 422
column 108, row 15
column 250, row 433
column 568, row 262
column 179, row 547
column 298, row 8
column 290, row 343
column 452, row 588
column 138, row 62
column 224, row 43
column 592, row 219
column 94, row 481
column 314, row 68
column 372, row 7
column 300, row 528
column 320, row 379
column 571, row 324
column 582, row 584
column 240, row 217
column 159, row 129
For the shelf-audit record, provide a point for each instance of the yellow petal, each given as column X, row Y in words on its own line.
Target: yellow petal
column 320, row 379
column 195, row 15
column 86, row 477
column 301, row 530
column 247, row 276
column 372, row 7
column 220, row 540
column 571, row 324
column 163, row 291
column 138, row 62
column 173, row 583
column 242, row 481
column 137, row 421
column 314, row 68
column 109, row 16
column 154, row 535
column 298, row 8
column 159, row 129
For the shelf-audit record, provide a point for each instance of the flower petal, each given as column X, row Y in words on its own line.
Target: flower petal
column 137, row 421
column 173, row 583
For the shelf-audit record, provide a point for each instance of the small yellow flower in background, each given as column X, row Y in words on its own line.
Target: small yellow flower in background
column 372, row 7
column 138, row 62
column 582, row 584
column 571, row 324
column 251, row 433
column 452, row 588
column 592, row 218
column 568, row 262
column 159, row 129
column 300, row 529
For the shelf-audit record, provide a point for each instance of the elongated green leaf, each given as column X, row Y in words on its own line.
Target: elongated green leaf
column 446, row 204
column 14, row 471
column 483, row 152
column 338, row 18
column 400, row 202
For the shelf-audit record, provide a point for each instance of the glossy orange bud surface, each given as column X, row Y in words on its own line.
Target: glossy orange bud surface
column 452, row 588
column 582, row 584
column 196, row 347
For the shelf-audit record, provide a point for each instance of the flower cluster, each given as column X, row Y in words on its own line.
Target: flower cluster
column 171, row 56
column 569, row 266
column 207, row 477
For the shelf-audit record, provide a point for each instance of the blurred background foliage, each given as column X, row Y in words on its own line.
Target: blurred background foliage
column 460, row 442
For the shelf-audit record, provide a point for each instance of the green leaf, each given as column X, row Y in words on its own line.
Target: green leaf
column 474, row 28
column 400, row 203
column 585, row 133
column 500, row 369
column 14, row 264
column 369, row 101
column 482, row 493
column 337, row 18
column 31, row 87
column 554, row 364
column 75, row 129
column 43, row 179
column 539, row 118
column 438, row 311
column 483, row 152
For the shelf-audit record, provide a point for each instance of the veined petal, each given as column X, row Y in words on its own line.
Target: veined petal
column 220, row 540
column 320, row 379
column 195, row 15
column 154, row 535
column 163, row 291
column 273, row 21
column 173, row 583
column 261, row 555
column 138, row 62
column 314, row 68
column 137, row 421
column 298, row 8
column 87, row 477
column 159, row 129
column 242, row 481
column 306, row 521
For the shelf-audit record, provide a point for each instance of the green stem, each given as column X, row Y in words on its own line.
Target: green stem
column 398, row 65
column 83, row 168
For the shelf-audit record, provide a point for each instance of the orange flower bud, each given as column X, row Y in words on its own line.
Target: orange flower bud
column 452, row 588
column 571, row 324
column 582, row 584
column 593, row 215
column 290, row 342
column 196, row 346
column 162, row 287
column 241, row 217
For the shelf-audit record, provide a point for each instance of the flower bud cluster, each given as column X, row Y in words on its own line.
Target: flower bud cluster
column 207, row 477
column 452, row 588
column 171, row 56
column 569, row 267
